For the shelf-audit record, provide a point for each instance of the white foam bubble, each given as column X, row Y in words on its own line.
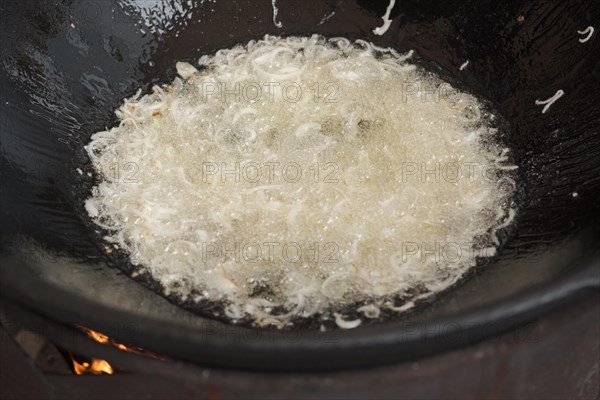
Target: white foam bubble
column 368, row 138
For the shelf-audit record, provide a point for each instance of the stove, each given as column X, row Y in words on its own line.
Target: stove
column 553, row 357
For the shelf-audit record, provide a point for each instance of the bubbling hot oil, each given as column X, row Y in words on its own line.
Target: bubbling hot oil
column 294, row 177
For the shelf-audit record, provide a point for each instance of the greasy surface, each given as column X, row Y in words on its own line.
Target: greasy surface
column 340, row 225
column 61, row 82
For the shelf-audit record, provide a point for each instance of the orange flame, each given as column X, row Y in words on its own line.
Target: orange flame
column 95, row 367
column 97, row 336
column 104, row 339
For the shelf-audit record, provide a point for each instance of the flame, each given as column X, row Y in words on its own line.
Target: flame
column 97, row 336
column 104, row 339
column 95, row 367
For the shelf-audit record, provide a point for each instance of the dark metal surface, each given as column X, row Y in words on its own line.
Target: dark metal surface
column 66, row 66
column 555, row 357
